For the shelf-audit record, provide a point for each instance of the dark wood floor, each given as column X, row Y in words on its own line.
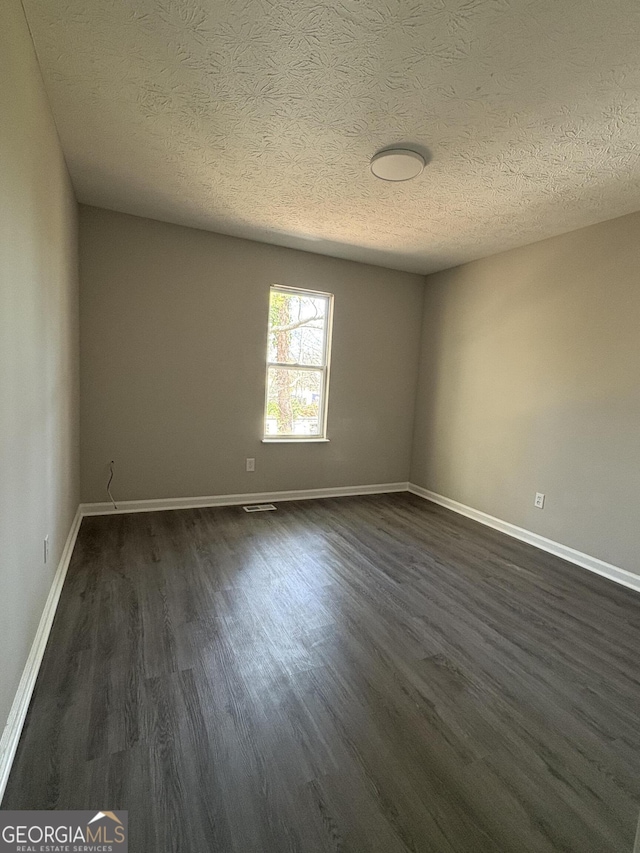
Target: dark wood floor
column 359, row 674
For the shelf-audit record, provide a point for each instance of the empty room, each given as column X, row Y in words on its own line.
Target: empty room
column 320, row 426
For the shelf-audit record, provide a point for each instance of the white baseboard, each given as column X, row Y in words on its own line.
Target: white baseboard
column 158, row 504
column 20, row 706
column 593, row 564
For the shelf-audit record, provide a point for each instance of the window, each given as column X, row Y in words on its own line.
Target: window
column 298, row 352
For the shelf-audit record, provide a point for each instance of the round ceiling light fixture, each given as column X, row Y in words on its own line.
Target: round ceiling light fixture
column 397, row 164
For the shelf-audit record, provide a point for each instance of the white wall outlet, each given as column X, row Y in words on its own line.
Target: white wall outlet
column 539, row 501
column 251, row 464
column 45, row 549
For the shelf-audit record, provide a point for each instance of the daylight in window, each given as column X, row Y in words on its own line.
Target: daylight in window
column 298, row 363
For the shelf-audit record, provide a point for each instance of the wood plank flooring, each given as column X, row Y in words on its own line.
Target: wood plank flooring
column 361, row 674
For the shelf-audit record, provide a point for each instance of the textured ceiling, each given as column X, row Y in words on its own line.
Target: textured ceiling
column 258, row 118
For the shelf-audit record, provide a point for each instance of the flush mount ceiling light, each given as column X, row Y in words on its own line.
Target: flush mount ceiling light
column 397, row 164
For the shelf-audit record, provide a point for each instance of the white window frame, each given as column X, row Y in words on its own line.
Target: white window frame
column 324, row 369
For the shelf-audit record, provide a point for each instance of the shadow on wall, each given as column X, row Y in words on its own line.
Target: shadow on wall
column 481, row 349
column 527, row 384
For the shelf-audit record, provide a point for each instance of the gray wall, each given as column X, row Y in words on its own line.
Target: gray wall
column 530, row 381
column 173, row 347
column 38, row 349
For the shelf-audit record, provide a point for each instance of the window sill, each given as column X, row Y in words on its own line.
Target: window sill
column 295, row 440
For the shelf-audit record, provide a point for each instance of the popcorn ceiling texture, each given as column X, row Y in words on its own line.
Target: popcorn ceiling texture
column 258, row 118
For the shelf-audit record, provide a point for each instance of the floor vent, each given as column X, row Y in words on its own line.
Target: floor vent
column 258, row 507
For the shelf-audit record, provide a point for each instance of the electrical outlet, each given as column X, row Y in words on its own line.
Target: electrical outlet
column 539, row 501
column 45, row 550
column 251, row 464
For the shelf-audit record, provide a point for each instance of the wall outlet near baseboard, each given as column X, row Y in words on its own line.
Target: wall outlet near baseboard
column 539, row 501
column 251, row 464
